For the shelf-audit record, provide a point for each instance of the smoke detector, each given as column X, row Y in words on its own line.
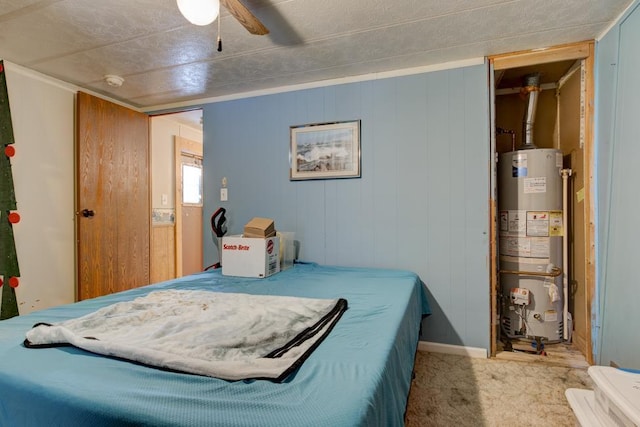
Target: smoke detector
column 113, row 80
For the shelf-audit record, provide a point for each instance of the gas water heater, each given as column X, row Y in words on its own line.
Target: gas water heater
column 531, row 230
column 530, row 243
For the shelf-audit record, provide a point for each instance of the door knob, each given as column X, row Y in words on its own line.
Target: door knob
column 87, row 213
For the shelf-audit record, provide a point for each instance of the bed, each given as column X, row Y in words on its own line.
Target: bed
column 359, row 375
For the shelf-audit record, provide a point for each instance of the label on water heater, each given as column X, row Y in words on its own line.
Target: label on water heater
column 504, row 221
column 529, row 247
column 513, row 223
column 538, row 223
column 535, row 185
column 519, row 165
column 550, row 316
column 555, row 223
column 515, row 246
column 517, row 222
column 539, row 247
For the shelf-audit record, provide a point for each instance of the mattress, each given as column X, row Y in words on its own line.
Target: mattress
column 358, row 376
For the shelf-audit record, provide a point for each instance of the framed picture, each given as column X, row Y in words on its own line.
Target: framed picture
column 325, row 151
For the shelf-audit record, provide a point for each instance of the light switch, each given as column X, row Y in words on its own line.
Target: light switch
column 224, row 195
column 165, row 200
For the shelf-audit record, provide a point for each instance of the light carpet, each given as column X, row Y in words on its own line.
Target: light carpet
column 458, row 391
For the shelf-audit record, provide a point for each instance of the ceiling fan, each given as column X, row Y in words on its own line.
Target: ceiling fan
column 245, row 17
column 204, row 12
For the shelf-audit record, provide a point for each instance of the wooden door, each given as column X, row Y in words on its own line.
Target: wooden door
column 191, row 239
column 113, row 219
column 188, row 216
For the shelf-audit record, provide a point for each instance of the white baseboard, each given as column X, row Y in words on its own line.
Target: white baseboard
column 458, row 350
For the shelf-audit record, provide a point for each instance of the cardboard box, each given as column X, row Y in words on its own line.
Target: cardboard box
column 260, row 227
column 250, row 256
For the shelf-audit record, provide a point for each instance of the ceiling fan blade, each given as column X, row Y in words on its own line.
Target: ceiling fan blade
column 245, row 17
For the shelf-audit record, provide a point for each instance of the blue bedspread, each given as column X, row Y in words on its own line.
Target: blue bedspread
column 358, row 376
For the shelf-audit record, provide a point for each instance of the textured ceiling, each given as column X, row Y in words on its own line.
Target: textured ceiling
column 167, row 61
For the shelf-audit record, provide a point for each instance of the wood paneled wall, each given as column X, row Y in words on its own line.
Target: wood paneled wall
column 163, row 252
column 423, row 200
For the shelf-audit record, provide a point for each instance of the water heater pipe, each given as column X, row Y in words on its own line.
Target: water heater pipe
column 554, row 272
column 566, row 173
column 529, row 91
column 500, row 131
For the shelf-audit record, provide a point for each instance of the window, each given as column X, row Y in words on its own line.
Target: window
column 192, row 183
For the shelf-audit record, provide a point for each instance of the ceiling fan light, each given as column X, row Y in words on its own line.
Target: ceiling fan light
column 199, row 12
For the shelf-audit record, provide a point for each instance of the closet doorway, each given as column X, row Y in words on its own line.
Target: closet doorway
column 177, row 226
column 564, row 123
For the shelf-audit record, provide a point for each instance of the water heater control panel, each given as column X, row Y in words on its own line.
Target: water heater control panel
column 520, row 296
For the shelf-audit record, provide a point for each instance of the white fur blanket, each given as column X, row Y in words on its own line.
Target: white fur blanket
column 225, row 335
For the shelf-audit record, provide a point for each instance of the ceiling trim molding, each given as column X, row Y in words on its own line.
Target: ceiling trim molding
column 36, row 75
column 321, row 83
column 28, row 72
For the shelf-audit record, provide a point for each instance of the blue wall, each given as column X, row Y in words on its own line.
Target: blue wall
column 422, row 201
column 605, row 89
column 618, row 151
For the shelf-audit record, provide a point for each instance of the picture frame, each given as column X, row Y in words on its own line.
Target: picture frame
column 325, row 151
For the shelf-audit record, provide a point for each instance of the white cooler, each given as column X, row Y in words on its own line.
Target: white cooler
column 615, row 401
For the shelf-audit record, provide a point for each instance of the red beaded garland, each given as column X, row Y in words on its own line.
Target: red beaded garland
column 14, row 217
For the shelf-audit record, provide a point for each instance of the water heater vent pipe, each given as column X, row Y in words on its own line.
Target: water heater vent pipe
column 529, row 91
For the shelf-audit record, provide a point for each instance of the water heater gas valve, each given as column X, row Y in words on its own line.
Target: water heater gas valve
column 520, row 296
